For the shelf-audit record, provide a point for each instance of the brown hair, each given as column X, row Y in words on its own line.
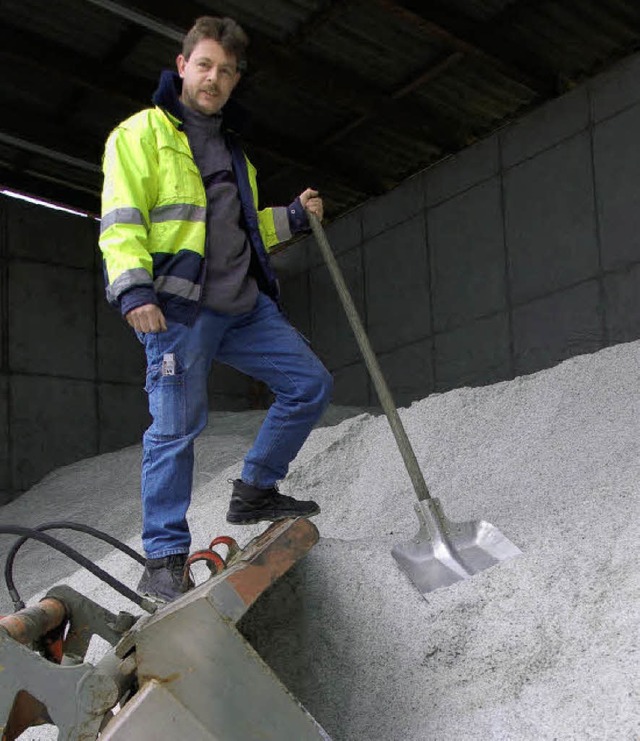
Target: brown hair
column 225, row 31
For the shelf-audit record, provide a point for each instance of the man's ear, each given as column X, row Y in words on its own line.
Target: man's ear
column 181, row 63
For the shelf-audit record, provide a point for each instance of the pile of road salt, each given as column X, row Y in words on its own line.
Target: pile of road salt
column 544, row 646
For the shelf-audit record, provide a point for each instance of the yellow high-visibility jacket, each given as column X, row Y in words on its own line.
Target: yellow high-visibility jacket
column 154, row 204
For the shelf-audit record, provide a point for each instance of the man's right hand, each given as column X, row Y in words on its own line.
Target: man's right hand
column 147, row 318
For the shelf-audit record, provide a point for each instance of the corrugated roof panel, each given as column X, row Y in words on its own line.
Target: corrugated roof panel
column 576, row 37
column 481, row 9
column 276, row 19
column 616, row 27
column 475, row 92
column 373, row 44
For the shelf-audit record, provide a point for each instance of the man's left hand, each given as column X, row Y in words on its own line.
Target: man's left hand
column 312, row 202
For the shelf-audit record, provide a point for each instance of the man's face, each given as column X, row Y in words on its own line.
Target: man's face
column 208, row 77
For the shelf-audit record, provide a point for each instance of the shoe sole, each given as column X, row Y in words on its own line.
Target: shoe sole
column 266, row 517
column 155, row 597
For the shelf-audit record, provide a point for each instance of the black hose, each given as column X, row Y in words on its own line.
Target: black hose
column 27, row 532
column 59, row 525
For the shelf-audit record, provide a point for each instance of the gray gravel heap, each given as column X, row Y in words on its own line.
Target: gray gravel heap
column 542, row 647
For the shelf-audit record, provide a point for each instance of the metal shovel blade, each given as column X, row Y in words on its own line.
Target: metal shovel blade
column 444, row 552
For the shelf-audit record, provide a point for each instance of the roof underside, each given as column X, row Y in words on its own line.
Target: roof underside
column 350, row 96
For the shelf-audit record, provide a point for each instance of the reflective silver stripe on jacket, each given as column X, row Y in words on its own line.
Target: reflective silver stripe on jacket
column 178, row 212
column 125, row 215
column 128, row 279
column 178, row 287
column 281, row 223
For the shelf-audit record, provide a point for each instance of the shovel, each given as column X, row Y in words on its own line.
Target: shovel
column 442, row 552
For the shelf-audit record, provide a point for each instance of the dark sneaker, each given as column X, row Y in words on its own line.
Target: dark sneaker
column 250, row 505
column 164, row 579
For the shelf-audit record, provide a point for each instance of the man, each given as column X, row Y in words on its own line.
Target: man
column 184, row 248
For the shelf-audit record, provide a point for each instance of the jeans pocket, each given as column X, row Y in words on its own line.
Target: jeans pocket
column 167, row 403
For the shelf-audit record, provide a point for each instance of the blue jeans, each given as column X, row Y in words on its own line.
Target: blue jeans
column 260, row 343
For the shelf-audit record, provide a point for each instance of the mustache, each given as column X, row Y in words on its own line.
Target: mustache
column 211, row 89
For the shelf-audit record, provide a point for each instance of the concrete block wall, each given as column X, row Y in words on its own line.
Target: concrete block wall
column 67, row 366
column 513, row 255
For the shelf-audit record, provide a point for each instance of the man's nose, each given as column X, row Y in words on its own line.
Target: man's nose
column 212, row 75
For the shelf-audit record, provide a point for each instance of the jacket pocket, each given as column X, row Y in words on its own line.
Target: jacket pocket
column 180, row 180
